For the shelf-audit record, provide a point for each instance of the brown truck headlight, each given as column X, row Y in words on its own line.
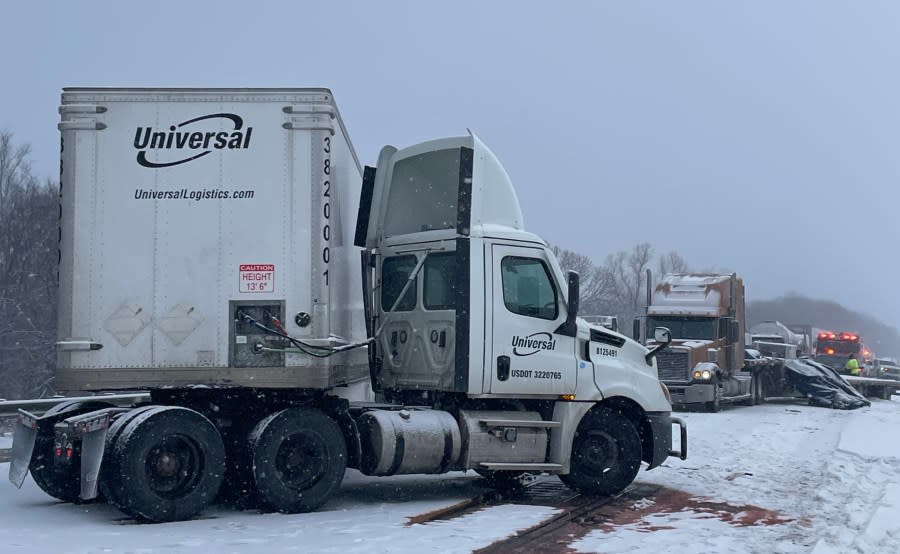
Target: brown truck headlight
column 702, row 375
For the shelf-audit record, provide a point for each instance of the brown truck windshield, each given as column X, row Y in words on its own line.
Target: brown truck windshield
column 700, row 328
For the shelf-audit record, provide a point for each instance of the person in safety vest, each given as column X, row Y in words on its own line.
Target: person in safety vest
column 852, row 365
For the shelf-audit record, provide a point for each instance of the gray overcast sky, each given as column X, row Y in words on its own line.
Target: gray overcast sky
column 762, row 138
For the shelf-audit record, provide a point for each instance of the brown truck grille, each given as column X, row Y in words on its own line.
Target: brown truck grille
column 672, row 366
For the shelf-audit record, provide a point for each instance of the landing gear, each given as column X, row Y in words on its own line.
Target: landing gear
column 606, row 454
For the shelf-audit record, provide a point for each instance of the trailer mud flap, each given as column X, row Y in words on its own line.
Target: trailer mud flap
column 22, row 448
column 92, row 446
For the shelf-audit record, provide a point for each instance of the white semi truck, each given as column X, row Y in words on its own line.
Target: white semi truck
column 223, row 250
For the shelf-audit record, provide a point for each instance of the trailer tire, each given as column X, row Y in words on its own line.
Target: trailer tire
column 606, row 454
column 110, row 481
column 299, row 457
column 171, row 461
column 64, row 484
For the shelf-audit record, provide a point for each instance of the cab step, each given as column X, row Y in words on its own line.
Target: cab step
column 519, row 423
column 506, row 466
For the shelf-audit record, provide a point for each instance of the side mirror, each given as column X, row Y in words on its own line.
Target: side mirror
column 661, row 334
column 636, row 329
column 664, row 337
column 569, row 328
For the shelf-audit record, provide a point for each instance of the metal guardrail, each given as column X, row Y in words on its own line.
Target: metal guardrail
column 9, row 408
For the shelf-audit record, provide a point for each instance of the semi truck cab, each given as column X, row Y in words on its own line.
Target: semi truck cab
column 468, row 306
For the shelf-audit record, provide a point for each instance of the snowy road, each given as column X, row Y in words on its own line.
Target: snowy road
column 773, row 478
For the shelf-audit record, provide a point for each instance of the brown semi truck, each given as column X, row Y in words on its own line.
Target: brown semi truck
column 705, row 364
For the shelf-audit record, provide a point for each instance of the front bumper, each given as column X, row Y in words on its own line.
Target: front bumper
column 659, row 425
column 692, row 394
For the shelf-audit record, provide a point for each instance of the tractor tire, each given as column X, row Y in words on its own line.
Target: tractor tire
column 606, row 454
column 299, row 457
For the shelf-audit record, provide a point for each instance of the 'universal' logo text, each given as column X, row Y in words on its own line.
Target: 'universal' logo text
column 146, row 138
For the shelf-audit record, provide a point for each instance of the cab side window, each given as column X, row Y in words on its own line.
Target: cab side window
column 439, row 291
column 394, row 274
column 527, row 287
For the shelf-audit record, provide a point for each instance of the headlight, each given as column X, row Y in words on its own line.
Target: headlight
column 702, row 375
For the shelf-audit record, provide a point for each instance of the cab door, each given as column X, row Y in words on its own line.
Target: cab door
column 526, row 355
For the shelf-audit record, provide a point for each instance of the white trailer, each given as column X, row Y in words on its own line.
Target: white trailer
column 222, row 250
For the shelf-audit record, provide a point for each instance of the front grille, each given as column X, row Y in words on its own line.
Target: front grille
column 672, row 366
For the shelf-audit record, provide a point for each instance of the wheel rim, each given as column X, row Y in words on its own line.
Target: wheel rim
column 301, row 460
column 599, row 453
column 173, row 466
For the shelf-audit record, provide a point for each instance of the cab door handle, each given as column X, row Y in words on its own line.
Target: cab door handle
column 502, row 368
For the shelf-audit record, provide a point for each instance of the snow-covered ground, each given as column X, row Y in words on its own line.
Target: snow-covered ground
column 773, row 478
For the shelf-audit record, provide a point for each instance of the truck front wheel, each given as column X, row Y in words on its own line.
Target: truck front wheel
column 606, row 454
column 299, row 457
column 171, row 462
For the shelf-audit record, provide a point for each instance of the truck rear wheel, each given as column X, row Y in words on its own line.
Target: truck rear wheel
column 606, row 454
column 110, row 481
column 62, row 483
column 171, row 463
column 299, row 457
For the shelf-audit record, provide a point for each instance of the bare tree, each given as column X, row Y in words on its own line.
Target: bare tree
column 14, row 167
column 638, row 261
column 28, row 250
column 596, row 290
column 624, row 274
column 672, row 263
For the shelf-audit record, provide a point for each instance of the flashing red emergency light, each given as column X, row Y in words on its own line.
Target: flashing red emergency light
column 828, row 335
column 829, row 351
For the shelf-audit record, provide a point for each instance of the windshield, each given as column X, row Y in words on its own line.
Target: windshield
column 837, row 347
column 703, row 328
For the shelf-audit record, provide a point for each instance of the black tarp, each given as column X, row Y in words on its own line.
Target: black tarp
column 823, row 385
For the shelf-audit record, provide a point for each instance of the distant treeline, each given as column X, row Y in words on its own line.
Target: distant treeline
column 29, row 223
column 880, row 338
